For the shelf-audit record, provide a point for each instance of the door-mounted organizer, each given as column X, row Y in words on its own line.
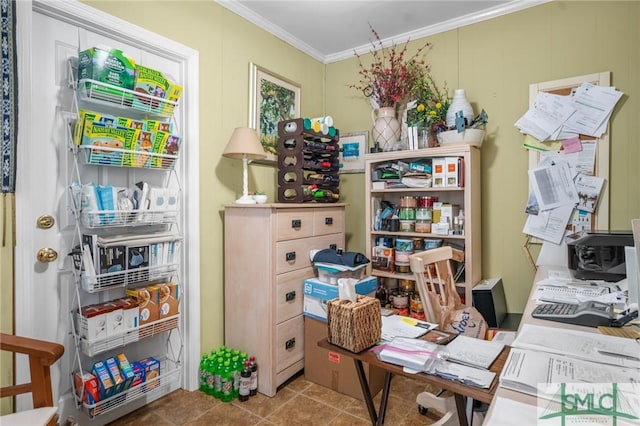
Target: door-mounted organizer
column 306, row 157
column 107, row 99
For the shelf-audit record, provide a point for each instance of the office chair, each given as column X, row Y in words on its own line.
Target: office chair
column 41, row 356
column 433, row 273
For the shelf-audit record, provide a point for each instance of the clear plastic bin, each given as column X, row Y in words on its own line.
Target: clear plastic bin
column 330, row 274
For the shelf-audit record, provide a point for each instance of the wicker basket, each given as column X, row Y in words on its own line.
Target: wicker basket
column 354, row 326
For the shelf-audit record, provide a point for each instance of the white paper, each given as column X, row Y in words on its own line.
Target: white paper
column 509, row 412
column 399, row 326
column 525, row 369
column 589, row 189
column 549, row 225
column 474, row 352
column 593, row 105
column 553, row 185
column 546, row 117
column 580, row 345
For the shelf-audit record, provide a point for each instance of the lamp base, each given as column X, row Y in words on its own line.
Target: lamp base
column 245, row 199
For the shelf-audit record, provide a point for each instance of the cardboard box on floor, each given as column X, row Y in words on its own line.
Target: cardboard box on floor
column 330, row 369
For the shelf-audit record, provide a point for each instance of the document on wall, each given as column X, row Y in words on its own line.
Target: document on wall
column 553, row 185
column 545, row 118
column 593, row 107
column 589, row 189
column 549, row 225
column 583, row 345
column 525, row 369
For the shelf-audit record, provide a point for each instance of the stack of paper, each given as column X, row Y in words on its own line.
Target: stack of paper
column 400, row 326
column 474, row 352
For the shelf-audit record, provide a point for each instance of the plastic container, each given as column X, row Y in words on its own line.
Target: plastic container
column 331, row 274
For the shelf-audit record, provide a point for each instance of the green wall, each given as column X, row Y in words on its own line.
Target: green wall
column 495, row 61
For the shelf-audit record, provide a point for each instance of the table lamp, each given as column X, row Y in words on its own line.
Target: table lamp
column 245, row 144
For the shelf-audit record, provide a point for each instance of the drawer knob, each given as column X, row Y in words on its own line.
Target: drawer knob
column 289, row 344
column 333, row 246
column 328, row 221
column 296, row 223
column 291, row 256
column 290, row 296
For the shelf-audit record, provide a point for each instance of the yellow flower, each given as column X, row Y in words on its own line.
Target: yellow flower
column 438, row 105
column 432, row 113
column 421, row 108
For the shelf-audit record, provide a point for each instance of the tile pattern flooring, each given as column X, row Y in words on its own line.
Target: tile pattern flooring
column 298, row 402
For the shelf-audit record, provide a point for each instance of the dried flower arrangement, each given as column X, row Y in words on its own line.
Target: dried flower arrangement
column 390, row 78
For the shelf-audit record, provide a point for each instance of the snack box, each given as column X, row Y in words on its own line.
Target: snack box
column 148, row 303
column 91, row 393
column 115, row 319
column 149, row 82
column 130, row 313
column 86, row 118
column 106, row 386
column 126, row 370
column 169, row 301
column 106, row 65
column 92, row 322
column 151, row 371
column 115, row 373
column 114, row 139
column 138, row 373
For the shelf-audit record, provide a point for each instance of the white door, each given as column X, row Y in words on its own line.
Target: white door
column 45, row 288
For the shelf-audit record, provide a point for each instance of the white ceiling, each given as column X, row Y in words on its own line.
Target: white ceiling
column 330, row 30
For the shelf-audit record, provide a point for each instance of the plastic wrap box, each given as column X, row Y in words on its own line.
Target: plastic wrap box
column 317, row 293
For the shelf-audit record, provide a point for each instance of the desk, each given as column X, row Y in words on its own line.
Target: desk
column 541, row 273
column 459, row 390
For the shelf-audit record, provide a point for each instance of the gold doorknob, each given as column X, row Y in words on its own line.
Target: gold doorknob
column 47, row 255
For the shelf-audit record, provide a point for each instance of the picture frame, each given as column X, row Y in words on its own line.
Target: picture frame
column 353, row 147
column 272, row 98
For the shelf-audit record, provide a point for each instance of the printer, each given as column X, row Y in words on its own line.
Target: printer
column 598, row 255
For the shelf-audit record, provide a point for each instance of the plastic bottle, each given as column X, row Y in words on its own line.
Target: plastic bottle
column 211, row 384
column 253, row 389
column 204, row 372
column 217, row 377
column 236, row 368
column 226, row 376
column 245, row 382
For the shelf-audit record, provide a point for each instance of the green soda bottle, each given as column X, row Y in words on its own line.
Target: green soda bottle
column 227, row 382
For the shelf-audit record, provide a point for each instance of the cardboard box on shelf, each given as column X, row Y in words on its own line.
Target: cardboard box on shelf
column 330, row 369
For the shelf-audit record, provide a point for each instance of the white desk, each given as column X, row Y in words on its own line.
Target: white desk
column 528, row 319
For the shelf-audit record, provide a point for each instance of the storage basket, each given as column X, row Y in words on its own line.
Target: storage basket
column 354, row 326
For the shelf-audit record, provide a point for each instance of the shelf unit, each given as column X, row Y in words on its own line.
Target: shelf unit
column 467, row 197
column 161, row 339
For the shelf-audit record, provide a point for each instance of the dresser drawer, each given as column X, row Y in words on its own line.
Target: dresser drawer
column 328, row 221
column 294, row 254
column 289, row 298
column 289, row 342
column 294, row 223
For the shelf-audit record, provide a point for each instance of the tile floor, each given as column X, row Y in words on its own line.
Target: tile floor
column 298, row 402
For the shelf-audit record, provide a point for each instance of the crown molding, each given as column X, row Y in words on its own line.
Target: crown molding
column 472, row 18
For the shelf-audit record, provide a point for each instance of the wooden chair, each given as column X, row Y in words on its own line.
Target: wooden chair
column 41, row 356
column 432, row 272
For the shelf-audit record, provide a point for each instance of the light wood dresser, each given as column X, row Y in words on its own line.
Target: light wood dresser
column 267, row 259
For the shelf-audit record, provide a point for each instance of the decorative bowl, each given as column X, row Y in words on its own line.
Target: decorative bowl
column 468, row 136
column 260, row 198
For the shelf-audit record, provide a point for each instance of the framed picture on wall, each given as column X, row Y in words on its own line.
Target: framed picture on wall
column 272, row 98
column 353, row 146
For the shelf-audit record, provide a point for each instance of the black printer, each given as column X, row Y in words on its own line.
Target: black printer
column 598, row 255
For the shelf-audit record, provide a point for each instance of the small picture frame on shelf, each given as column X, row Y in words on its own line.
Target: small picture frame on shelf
column 272, row 98
column 353, row 146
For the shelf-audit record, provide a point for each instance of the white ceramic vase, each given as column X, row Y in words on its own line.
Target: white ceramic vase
column 386, row 127
column 459, row 103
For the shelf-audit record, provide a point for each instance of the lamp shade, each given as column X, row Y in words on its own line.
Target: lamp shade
column 244, row 143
